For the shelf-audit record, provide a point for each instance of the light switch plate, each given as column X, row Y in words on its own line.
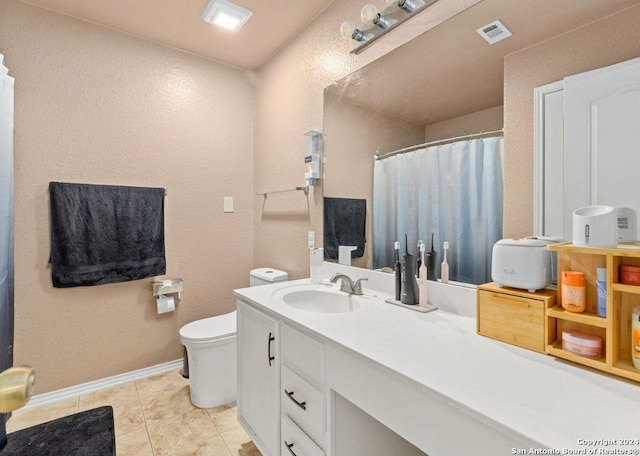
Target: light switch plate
column 228, row 203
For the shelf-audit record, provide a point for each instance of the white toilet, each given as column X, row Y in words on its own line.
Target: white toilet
column 211, row 350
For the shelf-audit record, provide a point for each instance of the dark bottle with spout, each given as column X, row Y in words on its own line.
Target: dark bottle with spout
column 409, row 294
column 432, row 262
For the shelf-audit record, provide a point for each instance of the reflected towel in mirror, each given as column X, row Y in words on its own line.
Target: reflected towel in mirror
column 344, row 224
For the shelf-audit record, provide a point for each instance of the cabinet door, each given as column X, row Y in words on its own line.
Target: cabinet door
column 259, row 378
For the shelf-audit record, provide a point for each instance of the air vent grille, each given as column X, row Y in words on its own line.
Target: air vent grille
column 494, row 32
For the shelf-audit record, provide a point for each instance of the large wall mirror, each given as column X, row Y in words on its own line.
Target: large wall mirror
column 588, row 160
column 438, row 88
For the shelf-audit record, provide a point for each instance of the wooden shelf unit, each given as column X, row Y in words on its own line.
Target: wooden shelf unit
column 615, row 328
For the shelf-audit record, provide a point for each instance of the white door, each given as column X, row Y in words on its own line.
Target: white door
column 259, row 378
column 601, row 145
column 548, row 170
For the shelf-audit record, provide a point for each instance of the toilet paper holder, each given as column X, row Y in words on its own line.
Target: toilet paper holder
column 170, row 286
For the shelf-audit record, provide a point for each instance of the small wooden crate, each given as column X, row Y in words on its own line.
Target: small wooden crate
column 514, row 316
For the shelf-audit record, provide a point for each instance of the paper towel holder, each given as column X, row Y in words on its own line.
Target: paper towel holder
column 169, row 286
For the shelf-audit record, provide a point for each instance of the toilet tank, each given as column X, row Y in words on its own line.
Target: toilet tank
column 264, row 276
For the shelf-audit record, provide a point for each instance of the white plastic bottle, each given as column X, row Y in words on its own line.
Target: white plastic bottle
column 316, row 257
column 422, row 279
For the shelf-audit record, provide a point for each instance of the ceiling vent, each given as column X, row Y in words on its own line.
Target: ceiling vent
column 494, row 32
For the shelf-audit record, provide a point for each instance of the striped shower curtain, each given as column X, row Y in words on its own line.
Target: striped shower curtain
column 453, row 192
column 6, row 226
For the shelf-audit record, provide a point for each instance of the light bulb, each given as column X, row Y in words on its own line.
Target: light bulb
column 349, row 31
column 346, row 29
column 369, row 14
column 405, row 5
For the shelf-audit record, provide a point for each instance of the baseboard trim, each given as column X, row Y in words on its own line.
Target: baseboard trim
column 97, row 385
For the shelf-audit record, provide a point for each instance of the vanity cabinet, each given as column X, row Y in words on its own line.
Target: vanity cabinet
column 282, row 398
column 259, row 378
column 615, row 328
column 303, row 395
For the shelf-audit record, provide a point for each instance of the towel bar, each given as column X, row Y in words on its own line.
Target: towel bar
column 305, row 189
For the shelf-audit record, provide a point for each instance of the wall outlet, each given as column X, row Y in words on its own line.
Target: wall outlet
column 312, row 240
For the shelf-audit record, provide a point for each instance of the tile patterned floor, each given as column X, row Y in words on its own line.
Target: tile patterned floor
column 154, row 417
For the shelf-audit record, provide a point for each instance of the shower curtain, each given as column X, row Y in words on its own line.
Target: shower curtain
column 6, row 227
column 453, row 191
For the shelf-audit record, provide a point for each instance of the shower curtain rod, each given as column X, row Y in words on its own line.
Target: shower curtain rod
column 441, row 141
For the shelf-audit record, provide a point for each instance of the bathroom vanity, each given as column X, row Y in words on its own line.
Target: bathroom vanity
column 377, row 379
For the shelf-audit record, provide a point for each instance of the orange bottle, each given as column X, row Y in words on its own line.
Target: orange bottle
column 573, row 291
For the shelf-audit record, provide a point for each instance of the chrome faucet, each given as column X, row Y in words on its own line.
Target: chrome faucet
column 347, row 285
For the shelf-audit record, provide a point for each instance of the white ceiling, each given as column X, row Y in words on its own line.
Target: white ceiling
column 451, row 71
column 177, row 23
column 446, row 72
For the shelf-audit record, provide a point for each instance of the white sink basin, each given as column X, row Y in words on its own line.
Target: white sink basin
column 323, row 298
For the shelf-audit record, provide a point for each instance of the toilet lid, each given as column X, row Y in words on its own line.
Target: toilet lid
column 210, row 328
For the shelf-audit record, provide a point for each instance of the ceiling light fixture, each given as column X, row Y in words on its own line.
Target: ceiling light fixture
column 226, row 14
column 376, row 23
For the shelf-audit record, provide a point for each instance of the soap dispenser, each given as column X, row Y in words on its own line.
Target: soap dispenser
column 344, row 254
column 316, row 257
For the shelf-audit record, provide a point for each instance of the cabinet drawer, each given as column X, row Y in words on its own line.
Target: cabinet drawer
column 304, row 403
column 303, row 353
column 295, row 442
column 513, row 319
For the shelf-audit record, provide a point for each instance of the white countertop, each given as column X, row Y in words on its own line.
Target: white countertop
column 549, row 401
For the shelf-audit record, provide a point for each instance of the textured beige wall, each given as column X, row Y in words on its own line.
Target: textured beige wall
column 611, row 40
column 289, row 102
column 485, row 120
column 96, row 106
column 355, row 135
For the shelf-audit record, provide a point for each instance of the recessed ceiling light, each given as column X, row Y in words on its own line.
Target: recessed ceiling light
column 226, row 14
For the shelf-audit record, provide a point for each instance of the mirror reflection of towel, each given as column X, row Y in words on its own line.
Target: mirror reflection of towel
column 104, row 234
column 344, row 224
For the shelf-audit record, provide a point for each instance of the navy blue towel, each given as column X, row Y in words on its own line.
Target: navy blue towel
column 105, row 234
column 344, row 224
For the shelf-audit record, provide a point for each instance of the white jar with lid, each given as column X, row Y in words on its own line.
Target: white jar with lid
column 635, row 337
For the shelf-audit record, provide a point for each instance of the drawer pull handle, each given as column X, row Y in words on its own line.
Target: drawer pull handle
column 302, row 405
column 289, row 445
column 271, row 358
column 510, row 299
